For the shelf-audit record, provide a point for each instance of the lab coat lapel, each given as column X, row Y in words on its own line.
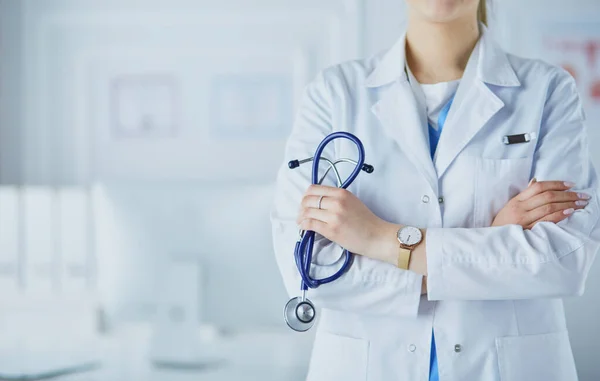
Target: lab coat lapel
column 474, row 103
column 472, row 110
column 399, row 113
column 404, row 121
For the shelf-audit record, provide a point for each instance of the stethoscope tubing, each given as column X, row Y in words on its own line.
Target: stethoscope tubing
column 304, row 247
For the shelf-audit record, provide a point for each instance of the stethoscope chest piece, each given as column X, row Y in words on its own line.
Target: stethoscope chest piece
column 299, row 314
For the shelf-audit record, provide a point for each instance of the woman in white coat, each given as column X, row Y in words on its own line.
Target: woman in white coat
column 439, row 115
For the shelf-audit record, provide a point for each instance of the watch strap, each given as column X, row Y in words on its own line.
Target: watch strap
column 403, row 258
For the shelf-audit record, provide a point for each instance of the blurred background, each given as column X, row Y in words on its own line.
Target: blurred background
column 139, row 142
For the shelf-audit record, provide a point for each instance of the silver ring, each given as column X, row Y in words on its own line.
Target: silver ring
column 319, row 204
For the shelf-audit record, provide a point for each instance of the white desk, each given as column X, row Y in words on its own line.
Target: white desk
column 254, row 356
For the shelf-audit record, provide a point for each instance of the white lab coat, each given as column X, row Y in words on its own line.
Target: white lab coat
column 494, row 293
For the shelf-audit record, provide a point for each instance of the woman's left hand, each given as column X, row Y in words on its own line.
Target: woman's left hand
column 342, row 219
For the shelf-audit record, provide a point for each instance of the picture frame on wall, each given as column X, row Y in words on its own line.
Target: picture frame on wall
column 144, row 106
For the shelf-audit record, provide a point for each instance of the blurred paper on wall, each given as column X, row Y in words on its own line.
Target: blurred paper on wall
column 143, row 106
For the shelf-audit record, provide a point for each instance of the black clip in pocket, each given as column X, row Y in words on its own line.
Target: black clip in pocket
column 520, row 138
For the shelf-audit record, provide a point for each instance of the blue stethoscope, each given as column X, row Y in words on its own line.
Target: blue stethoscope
column 299, row 313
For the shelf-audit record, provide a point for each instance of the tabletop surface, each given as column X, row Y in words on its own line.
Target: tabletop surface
column 134, row 353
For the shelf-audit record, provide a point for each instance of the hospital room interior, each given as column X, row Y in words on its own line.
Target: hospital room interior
column 139, row 147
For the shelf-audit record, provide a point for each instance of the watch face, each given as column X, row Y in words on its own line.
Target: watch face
column 409, row 236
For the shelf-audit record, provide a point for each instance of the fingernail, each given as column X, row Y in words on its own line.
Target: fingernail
column 584, row 196
column 569, row 211
column 532, row 181
column 569, row 184
column 581, row 203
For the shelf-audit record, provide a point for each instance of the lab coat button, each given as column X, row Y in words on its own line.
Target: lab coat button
column 412, row 348
column 457, row 348
column 441, row 200
column 425, row 199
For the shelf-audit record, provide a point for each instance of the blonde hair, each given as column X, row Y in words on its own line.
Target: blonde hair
column 482, row 12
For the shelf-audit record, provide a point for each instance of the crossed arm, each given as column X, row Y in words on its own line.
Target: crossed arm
column 345, row 220
column 541, row 244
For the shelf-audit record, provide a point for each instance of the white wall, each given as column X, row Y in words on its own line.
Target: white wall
column 384, row 20
column 77, row 53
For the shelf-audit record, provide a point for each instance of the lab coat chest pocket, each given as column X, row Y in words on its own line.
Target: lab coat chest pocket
column 545, row 357
column 497, row 181
column 337, row 357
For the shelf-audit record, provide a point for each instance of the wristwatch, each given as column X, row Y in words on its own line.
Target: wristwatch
column 409, row 237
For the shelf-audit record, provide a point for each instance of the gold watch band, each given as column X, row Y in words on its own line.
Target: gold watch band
column 403, row 258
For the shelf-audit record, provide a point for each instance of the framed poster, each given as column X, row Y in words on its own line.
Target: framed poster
column 576, row 47
column 144, row 106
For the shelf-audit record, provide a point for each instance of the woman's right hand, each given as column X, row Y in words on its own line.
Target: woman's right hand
column 541, row 201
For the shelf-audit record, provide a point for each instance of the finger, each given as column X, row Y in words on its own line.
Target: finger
column 550, row 209
column 327, row 203
column 323, row 190
column 315, row 214
column 534, row 180
column 549, row 197
column 310, row 201
column 538, row 187
column 556, row 217
column 314, row 225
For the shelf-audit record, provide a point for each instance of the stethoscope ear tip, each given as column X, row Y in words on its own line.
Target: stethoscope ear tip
column 293, row 164
column 368, row 168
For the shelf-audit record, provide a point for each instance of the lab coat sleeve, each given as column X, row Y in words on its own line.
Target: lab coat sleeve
column 548, row 261
column 369, row 286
